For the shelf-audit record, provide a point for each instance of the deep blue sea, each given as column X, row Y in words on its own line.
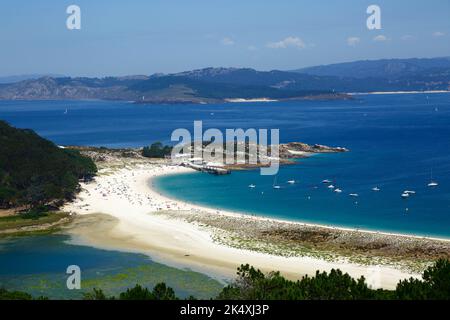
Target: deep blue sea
column 395, row 142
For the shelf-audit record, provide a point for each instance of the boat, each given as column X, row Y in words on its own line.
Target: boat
column 330, row 186
column 66, row 111
column 337, row 190
column 291, row 181
column 432, row 183
column 409, row 192
column 376, row 189
column 275, row 186
column 251, row 186
column 354, row 195
column 326, row 181
column 405, row 195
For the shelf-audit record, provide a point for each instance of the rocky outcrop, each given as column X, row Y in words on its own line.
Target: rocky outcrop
column 301, row 150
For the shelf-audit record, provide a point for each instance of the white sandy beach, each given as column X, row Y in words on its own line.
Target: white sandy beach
column 239, row 100
column 124, row 194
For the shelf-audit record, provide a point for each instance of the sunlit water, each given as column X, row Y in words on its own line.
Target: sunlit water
column 395, row 142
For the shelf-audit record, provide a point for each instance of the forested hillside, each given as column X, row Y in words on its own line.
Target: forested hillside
column 34, row 171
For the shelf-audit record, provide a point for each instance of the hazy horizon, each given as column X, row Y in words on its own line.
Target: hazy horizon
column 54, row 75
column 143, row 38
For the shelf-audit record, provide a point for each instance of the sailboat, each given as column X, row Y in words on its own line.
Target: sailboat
column 66, row 111
column 275, row 186
column 405, row 195
column 432, row 182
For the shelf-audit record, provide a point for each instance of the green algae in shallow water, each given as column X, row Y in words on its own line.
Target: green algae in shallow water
column 37, row 265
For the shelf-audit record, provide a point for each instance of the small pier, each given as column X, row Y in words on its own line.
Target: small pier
column 208, row 169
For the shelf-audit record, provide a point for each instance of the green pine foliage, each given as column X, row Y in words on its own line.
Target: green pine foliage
column 35, row 172
column 14, row 295
column 252, row 284
column 156, row 150
column 435, row 284
column 138, row 292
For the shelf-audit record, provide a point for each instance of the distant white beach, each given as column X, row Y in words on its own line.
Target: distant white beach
column 398, row 92
column 251, row 100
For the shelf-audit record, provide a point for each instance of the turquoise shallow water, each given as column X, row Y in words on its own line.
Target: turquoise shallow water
column 395, row 143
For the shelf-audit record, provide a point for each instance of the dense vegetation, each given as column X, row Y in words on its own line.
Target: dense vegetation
column 219, row 90
column 34, row 172
column 252, row 284
column 156, row 150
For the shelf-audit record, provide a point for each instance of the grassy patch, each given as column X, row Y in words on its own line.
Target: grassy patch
column 30, row 223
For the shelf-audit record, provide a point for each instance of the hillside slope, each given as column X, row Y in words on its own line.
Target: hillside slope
column 385, row 68
column 34, row 171
column 218, row 85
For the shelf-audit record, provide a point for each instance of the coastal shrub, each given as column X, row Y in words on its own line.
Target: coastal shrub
column 136, row 293
column 35, row 172
column 335, row 285
column 252, row 284
column 160, row 292
column 35, row 212
column 95, row 294
column 434, row 286
column 14, row 295
column 156, row 150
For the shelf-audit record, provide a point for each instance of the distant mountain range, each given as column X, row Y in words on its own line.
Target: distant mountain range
column 212, row 85
column 22, row 77
column 385, row 68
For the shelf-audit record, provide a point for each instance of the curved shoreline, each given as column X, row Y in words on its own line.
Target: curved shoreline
column 125, row 193
column 261, row 216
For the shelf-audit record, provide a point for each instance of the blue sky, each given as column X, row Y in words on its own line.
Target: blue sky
column 144, row 37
